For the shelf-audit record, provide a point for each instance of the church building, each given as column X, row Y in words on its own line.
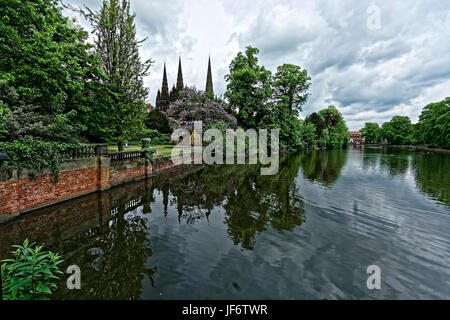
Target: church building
column 164, row 98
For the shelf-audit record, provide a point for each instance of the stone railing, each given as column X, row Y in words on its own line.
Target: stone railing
column 125, row 156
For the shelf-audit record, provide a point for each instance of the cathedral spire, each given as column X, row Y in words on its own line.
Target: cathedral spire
column 165, row 86
column 180, row 76
column 209, row 83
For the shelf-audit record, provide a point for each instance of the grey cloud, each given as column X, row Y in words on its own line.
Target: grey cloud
column 359, row 70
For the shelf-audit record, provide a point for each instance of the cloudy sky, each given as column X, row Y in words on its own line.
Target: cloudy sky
column 371, row 59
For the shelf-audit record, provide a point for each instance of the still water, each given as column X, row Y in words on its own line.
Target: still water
column 226, row 232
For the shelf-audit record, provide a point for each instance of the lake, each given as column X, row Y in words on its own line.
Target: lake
column 226, row 232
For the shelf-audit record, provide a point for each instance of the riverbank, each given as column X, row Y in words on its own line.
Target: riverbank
column 414, row 148
column 21, row 194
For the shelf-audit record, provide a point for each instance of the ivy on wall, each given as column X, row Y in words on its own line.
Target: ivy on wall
column 36, row 155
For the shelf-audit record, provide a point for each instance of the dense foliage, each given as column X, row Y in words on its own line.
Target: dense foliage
column 36, row 155
column 157, row 120
column 398, row 131
column 195, row 105
column 117, row 45
column 248, row 89
column 259, row 99
column 371, row 132
column 31, row 274
column 48, row 75
column 331, row 130
column 433, row 128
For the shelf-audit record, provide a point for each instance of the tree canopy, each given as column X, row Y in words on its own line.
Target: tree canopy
column 371, row 132
column 331, row 130
column 195, row 105
column 117, row 46
column 248, row 89
column 397, row 131
column 48, row 75
column 433, row 128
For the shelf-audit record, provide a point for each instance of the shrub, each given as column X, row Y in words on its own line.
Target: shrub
column 36, row 155
column 146, row 142
column 31, row 274
column 156, row 120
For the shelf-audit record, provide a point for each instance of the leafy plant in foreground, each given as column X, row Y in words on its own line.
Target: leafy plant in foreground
column 31, row 274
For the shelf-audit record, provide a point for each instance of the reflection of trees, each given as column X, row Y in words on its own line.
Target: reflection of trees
column 392, row 160
column 265, row 200
column 324, row 166
column 251, row 201
column 396, row 161
column 111, row 257
column 432, row 175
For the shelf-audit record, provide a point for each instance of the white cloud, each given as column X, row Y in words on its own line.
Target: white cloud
column 370, row 75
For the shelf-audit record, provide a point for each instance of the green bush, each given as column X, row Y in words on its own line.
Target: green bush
column 156, row 120
column 146, row 143
column 36, row 155
column 31, row 274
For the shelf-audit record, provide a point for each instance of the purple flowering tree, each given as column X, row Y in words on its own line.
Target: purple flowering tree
column 195, row 105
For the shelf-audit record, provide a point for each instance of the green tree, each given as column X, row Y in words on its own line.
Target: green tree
column 433, row 128
column 156, row 120
column 248, row 89
column 331, row 130
column 46, row 63
column 290, row 87
column 290, row 91
column 117, row 45
column 397, row 131
column 371, row 132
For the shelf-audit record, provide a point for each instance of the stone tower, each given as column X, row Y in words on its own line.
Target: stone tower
column 164, row 98
column 209, row 84
column 180, row 84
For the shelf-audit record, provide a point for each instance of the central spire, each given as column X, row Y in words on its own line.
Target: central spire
column 209, row 84
column 180, row 76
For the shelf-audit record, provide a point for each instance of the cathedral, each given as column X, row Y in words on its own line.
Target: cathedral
column 164, row 98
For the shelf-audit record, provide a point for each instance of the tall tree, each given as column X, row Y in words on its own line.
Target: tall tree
column 433, row 128
column 331, row 130
column 371, row 132
column 117, row 45
column 248, row 89
column 290, row 86
column 45, row 61
column 398, row 130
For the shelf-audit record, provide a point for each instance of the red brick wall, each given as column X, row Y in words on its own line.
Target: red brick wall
column 19, row 193
column 121, row 173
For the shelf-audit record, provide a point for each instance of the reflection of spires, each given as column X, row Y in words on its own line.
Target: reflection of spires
column 209, row 83
column 165, row 191
column 180, row 76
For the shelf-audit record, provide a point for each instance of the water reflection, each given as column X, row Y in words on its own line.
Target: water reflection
column 432, row 173
column 252, row 202
column 228, row 232
column 323, row 166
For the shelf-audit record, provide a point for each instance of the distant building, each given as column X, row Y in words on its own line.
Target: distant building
column 355, row 137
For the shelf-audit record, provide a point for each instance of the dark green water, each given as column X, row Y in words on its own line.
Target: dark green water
column 228, row 233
